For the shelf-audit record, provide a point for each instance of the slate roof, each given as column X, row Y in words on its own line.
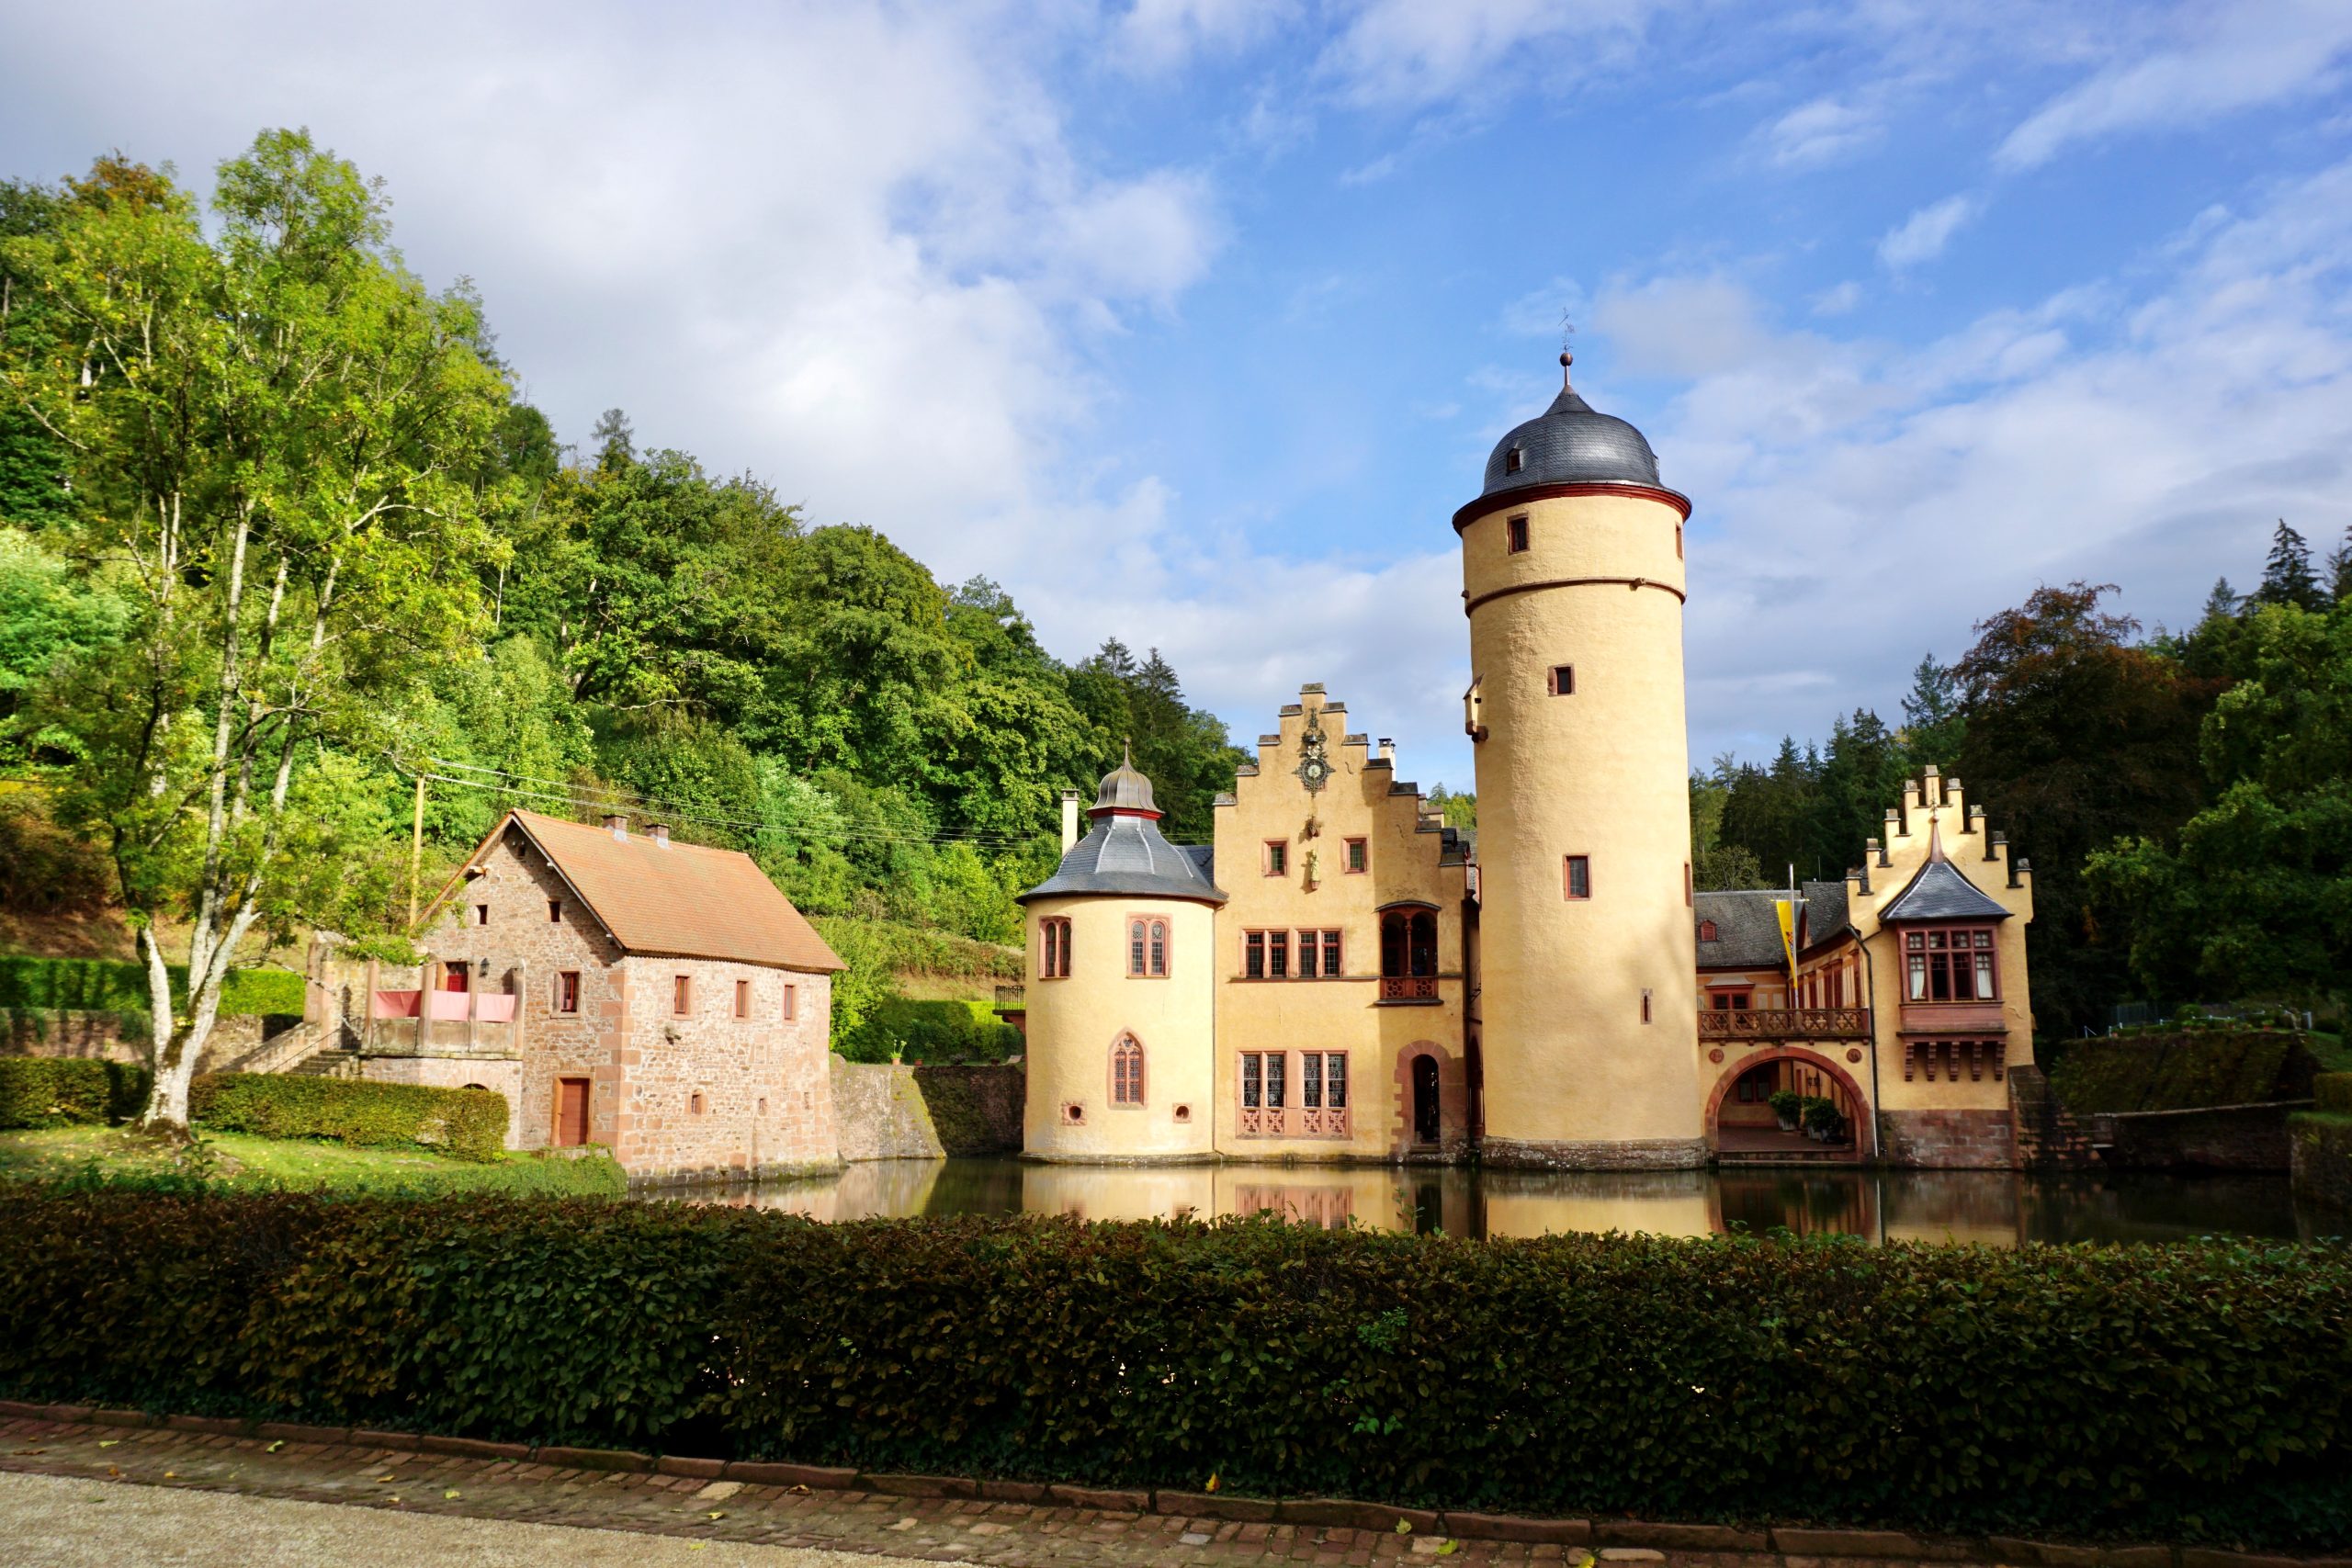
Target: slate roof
column 1748, row 934
column 1941, row 892
column 1128, row 855
column 1568, row 442
column 679, row 900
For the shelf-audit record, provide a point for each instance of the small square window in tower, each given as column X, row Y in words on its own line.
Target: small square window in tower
column 1579, row 876
column 1514, row 460
column 1277, row 857
column 1516, row 528
column 1562, row 681
column 1359, row 855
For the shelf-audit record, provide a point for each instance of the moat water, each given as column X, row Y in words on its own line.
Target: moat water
column 1996, row 1208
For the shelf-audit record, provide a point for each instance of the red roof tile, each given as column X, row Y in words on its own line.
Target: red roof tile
column 681, row 900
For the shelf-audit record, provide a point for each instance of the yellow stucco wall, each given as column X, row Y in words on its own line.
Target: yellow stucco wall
column 1074, row 1022
column 1570, row 1065
column 1360, row 799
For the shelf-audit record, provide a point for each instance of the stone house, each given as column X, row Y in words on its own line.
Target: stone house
column 663, row 1000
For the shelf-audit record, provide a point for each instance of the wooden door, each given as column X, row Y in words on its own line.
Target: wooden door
column 455, row 977
column 571, row 1111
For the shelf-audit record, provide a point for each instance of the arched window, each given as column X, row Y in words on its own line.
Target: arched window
column 1135, row 947
column 1127, row 1071
column 1146, row 948
column 1160, row 947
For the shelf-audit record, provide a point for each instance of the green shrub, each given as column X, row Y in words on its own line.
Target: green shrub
column 2217, row 1063
column 930, row 1032
column 1822, row 1115
column 2197, row 1392
column 46, row 1091
column 100, row 985
column 2333, row 1091
column 468, row 1123
column 1786, row 1103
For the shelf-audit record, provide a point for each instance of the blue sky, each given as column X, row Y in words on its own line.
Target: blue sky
column 1192, row 320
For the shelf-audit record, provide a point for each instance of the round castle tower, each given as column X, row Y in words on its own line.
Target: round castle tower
column 1122, row 995
column 1572, row 577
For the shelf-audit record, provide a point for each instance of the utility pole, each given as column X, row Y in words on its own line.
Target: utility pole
column 416, row 851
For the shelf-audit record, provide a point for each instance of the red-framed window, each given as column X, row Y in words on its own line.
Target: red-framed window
column 1323, row 1080
column 1127, row 1071
column 567, row 991
column 1319, row 954
column 1517, row 534
column 1731, row 998
column 1147, row 947
column 1265, row 1079
column 743, row 998
column 1576, row 877
column 1707, row 931
column 1561, row 680
column 682, row 994
column 1053, row 948
column 1951, row 964
column 1277, row 861
column 1359, row 856
column 791, row 1002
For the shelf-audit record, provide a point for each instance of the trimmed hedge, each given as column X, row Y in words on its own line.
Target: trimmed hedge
column 2333, row 1091
column 99, row 984
column 45, row 1092
column 468, row 1123
column 38, row 1091
column 2182, row 1071
column 2197, row 1392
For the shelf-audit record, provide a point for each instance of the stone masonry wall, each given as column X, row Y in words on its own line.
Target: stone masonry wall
column 2323, row 1160
column 709, row 1095
column 517, row 885
column 1947, row 1139
column 2238, row 1137
column 975, row 1110
column 879, row 1112
column 98, row 1036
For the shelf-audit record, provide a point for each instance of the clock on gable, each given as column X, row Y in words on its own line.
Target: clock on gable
column 1314, row 765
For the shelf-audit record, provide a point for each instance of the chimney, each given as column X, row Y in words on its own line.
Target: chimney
column 1873, row 851
column 660, row 831
column 1387, row 750
column 1975, row 819
column 1994, row 845
column 1069, row 820
column 617, row 825
column 2019, row 869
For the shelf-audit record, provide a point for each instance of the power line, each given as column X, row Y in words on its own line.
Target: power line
column 603, row 797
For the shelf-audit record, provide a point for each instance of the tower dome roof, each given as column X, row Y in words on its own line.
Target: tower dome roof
column 1125, row 789
column 1570, row 443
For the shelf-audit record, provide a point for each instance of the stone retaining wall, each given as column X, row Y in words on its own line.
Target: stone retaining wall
column 975, row 1110
column 879, row 1112
column 2321, row 1150
column 98, row 1036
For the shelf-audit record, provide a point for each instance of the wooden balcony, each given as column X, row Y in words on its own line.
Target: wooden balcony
column 1784, row 1023
column 1409, row 989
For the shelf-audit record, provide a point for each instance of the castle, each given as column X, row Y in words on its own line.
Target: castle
column 1342, row 976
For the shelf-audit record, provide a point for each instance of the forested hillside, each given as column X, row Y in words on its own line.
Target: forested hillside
column 278, row 534
column 2185, row 798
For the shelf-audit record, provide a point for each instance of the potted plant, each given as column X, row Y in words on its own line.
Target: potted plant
column 1823, row 1123
column 1787, row 1105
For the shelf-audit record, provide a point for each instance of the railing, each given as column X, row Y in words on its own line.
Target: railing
column 1409, row 987
column 1293, row 1121
column 469, row 1019
column 1012, row 998
column 1784, row 1023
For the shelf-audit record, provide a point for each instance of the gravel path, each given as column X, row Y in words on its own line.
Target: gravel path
column 47, row 1521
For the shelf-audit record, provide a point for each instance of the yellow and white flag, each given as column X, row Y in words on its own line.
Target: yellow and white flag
column 1786, row 909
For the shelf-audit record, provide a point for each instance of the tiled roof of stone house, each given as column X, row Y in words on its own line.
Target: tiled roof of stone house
column 1748, row 934
column 673, row 899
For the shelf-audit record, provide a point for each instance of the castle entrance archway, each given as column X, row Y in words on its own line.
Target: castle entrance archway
column 1742, row 1124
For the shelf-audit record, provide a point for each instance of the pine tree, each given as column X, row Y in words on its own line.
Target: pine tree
column 1933, row 721
column 2222, row 604
column 2339, row 567
column 615, row 441
column 2286, row 577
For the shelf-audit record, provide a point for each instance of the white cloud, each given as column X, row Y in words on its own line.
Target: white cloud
column 1840, row 300
column 1859, row 503
column 1163, row 35
column 1923, row 236
column 1412, row 54
column 1822, row 131
column 2244, row 54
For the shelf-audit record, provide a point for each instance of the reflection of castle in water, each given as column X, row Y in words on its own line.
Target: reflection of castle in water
column 1994, row 1208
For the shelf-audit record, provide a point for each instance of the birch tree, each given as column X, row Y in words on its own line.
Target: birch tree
column 275, row 434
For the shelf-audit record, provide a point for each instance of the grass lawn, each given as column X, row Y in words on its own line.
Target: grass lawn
column 241, row 1162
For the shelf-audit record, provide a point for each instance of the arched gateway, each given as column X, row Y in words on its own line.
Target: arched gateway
column 1740, row 1120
